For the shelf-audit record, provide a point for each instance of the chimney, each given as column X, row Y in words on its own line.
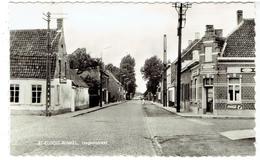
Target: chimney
column 239, row 16
column 197, row 35
column 189, row 42
column 209, row 30
column 219, row 32
column 59, row 23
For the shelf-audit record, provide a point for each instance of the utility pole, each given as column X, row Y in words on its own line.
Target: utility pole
column 181, row 8
column 164, row 70
column 48, row 67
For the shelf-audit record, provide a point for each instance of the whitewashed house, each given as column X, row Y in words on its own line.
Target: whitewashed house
column 28, row 49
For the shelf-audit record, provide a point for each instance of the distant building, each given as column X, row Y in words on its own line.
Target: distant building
column 170, row 87
column 94, row 95
column 116, row 91
column 217, row 73
column 28, row 50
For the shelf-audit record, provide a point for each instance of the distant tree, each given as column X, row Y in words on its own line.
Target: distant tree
column 82, row 60
column 127, row 74
column 152, row 71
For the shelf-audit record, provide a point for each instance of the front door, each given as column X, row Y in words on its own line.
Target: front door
column 209, row 99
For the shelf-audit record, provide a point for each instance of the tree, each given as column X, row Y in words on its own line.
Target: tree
column 82, row 60
column 152, row 71
column 127, row 75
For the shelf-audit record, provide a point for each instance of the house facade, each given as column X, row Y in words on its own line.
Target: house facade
column 217, row 74
column 93, row 76
column 116, row 91
column 28, row 57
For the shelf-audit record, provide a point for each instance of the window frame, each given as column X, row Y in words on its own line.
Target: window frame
column 233, row 90
column 14, row 95
column 36, row 94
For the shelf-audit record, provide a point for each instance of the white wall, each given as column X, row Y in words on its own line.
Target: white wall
column 81, row 96
column 59, row 100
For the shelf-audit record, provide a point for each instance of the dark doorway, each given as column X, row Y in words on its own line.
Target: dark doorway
column 209, row 99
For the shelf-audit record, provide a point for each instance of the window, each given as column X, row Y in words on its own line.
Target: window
column 36, row 93
column 208, row 82
column 208, row 54
column 234, row 90
column 65, row 69
column 59, row 68
column 14, row 93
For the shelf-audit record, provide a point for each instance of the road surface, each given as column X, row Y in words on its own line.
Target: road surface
column 127, row 129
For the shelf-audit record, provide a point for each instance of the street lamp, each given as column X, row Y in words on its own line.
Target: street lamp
column 101, row 77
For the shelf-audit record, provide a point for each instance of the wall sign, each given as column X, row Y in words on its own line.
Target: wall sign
column 247, row 70
column 234, row 106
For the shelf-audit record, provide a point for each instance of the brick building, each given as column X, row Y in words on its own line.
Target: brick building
column 218, row 73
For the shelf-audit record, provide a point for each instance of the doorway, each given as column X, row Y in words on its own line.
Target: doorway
column 209, row 99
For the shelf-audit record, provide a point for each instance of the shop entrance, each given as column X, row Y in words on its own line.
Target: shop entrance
column 209, row 99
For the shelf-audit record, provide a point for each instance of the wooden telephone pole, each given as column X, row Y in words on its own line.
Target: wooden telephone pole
column 181, row 8
column 48, row 67
column 164, row 71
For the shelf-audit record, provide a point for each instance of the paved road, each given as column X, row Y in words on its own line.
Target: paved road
column 121, row 129
column 126, row 129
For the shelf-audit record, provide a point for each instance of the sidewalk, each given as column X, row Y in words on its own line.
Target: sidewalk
column 194, row 115
column 88, row 110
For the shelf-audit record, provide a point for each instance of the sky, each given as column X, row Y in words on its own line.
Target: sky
column 115, row 30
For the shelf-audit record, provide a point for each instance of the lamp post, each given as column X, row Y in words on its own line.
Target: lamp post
column 101, row 75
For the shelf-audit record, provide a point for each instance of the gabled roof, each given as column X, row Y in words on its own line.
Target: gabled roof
column 110, row 74
column 76, row 79
column 28, row 50
column 241, row 42
column 187, row 50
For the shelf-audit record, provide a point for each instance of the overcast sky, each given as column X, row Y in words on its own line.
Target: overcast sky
column 118, row 29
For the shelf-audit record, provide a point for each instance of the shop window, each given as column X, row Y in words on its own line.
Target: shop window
column 208, row 54
column 36, row 93
column 14, row 93
column 208, row 82
column 234, row 92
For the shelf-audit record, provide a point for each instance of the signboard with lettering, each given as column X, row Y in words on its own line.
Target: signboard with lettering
column 247, row 70
column 234, row 106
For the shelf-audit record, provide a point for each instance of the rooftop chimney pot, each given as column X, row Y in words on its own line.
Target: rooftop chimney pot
column 219, row 32
column 59, row 23
column 239, row 16
column 197, row 35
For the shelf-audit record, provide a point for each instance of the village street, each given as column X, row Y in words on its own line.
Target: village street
column 127, row 129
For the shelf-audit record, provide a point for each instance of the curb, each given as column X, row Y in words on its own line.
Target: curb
column 85, row 111
column 206, row 116
column 80, row 114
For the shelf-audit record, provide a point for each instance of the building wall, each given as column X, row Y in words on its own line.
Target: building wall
column 247, row 88
column 63, row 96
column 81, row 97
